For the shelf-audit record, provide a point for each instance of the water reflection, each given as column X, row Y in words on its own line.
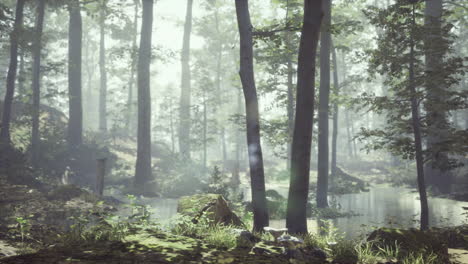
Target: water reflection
column 391, row 207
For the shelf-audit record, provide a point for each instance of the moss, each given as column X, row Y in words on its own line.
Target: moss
column 65, row 193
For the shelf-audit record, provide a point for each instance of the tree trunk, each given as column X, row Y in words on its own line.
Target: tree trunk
column 75, row 111
column 336, row 85
column 437, row 168
column 102, row 69
column 296, row 219
column 246, row 73
column 36, row 83
column 417, row 137
column 143, row 162
column 185, row 97
column 324, row 98
column 205, row 130
column 348, row 134
column 5, row 139
column 131, row 81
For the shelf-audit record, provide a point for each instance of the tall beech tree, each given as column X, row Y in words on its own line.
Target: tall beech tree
column 36, row 81
column 296, row 218
column 5, row 139
column 185, row 96
column 75, row 108
column 131, row 81
column 336, row 91
column 143, row 161
column 324, row 99
column 246, row 73
column 102, row 67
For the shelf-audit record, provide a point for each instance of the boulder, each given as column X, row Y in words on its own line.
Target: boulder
column 212, row 206
column 411, row 241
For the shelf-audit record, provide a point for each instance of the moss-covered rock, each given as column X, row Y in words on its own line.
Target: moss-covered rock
column 212, row 206
column 411, row 241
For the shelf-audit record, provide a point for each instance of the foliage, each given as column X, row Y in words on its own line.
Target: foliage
column 391, row 60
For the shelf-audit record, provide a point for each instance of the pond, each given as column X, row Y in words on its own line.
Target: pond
column 387, row 206
column 383, row 205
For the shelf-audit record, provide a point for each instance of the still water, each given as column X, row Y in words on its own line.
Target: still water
column 381, row 206
column 387, row 206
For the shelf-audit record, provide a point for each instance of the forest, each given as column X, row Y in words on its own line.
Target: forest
column 234, row 131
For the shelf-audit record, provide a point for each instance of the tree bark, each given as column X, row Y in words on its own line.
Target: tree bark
column 75, row 111
column 296, row 219
column 143, row 163
column 437, row 169
column 185, row 96
column 102, row 69
column 5, row 139
column 246, row 73
column 417, row 137
column 36, row 83
column 336, row 85
column 324, row 98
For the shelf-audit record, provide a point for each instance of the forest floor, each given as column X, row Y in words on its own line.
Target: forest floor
column 62, row 226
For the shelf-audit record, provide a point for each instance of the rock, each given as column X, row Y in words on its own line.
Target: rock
column 212, row 206
column 412, row 240
column 275, row 232
column 245, row 239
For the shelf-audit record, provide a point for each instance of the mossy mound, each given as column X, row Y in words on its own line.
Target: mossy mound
column 411, row 241
column 212, row 206
column 65, row 192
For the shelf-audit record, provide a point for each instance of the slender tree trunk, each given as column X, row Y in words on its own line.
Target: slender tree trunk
column 205, row 130
column 5, row 139
column 246, row 73
column 172, row 125
column 296, row 219
column 143, row 162
column 351, row 120
column 236, row 176
column 185, row 97
column 290, row 92
column 219, row 93
column 324, row 98
column 336, row 85
column 75, row 121
column 131, row 82
column 417, row 137
column 348, row 135
column 22, row 73
column 102, row 69
column 36, row 83
column 437, row 169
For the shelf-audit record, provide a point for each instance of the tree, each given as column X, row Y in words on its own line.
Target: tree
column 324, row 98
column 131, row 81
column 36, row 83
column 102, row 68
column 417, row 132
column 437, row 168
column 143, row 162
column 184, row 118
column 246, row 74
column 5, row 139
column 296, row 219
column 335, row 113
column 75, row 110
